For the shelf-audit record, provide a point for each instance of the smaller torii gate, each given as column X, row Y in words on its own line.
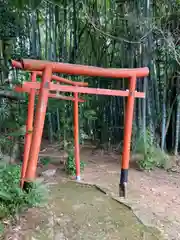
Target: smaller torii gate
column 31, row 102
column 45, row 88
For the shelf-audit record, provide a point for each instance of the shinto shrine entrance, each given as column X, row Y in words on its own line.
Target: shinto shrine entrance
column 46, row 89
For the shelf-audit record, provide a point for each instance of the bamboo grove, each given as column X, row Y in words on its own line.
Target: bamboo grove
column 104, row 33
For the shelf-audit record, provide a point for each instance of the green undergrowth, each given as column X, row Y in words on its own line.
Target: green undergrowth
column 45, row 161
column 70, row 166
column 12, row 198
column 151, row 154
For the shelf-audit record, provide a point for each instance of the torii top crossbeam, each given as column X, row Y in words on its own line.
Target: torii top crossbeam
column 38, row 65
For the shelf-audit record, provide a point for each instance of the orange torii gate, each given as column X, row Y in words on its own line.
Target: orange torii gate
column 31, row 100
column 45, row 89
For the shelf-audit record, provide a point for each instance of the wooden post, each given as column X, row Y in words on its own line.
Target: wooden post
column 38, row 127
column 127, row 138
column 29, row 129
column 76, row 137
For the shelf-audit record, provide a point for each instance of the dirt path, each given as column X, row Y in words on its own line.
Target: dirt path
column 80, row 212
column 84, row 213
column 154, row 196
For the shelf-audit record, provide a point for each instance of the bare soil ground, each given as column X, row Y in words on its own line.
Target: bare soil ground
column 80, row 212
column 153, row 196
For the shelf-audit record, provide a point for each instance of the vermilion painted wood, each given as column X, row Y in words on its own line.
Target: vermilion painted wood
column 99, row 91
column 74, row 69
column 29, row 124
column 27, row 89
column 29, row 129
column 64, row 80
column 38, row 126
column 127, row 138
column 128, row 125
column 76, row 136
column 46, row 86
